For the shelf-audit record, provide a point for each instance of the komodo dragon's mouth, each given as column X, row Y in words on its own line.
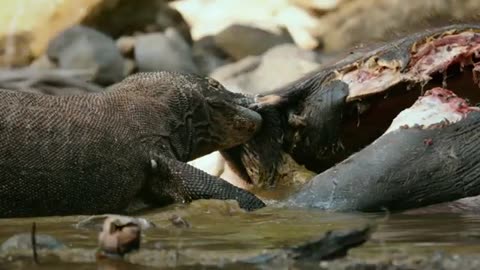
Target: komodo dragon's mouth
column 340, row 109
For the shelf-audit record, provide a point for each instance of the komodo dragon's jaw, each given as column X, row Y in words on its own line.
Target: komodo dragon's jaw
column 229, row 120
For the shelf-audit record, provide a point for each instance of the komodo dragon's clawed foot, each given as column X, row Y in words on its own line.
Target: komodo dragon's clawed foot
column 177, row 181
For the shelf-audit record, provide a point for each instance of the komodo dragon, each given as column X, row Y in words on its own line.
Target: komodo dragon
column 97, row 153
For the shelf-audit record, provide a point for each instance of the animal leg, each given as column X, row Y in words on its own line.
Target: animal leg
column 180, row 182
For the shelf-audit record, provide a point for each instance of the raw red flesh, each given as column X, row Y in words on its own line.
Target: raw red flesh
column 436, row 108
column 466, row 39
column 432, row 57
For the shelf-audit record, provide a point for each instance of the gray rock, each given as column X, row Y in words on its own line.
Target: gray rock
column 126, row 17
column 208, row 56
column 236, row 77
column 166, row 51
column 281, row 65
column 240, row 41
column 277, row 67
column 23, row 241
column 80, row 47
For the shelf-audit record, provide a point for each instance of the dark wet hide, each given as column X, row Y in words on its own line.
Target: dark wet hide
column 325, row 125
column 367, row 119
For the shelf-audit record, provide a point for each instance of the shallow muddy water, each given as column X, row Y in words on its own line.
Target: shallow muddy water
column 219, row 233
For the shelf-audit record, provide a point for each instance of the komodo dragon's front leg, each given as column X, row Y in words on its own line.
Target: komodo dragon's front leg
column 171, row 180
column 203, row 117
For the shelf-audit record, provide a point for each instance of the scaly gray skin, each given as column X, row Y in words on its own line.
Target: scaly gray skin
column 98, row 153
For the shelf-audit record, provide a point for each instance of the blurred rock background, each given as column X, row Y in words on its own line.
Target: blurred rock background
column 251, row 46
column 199, row 36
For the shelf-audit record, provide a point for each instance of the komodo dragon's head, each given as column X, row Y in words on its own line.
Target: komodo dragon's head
column 202, row 114
column 230, row 122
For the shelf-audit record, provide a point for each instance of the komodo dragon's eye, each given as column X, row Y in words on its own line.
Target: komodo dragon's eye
column 214, row 84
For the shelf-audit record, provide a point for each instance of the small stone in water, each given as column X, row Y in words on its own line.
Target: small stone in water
column 24, row 241
column 179, row 222
column 119, row 236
